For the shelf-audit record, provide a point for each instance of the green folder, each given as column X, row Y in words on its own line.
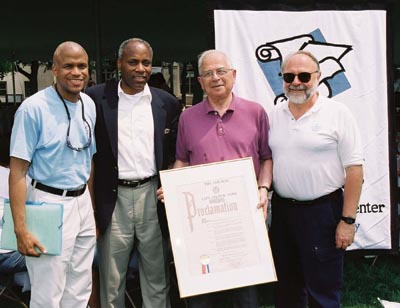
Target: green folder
column 44, row 220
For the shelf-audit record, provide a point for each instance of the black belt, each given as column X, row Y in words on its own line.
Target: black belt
column 57, row 191
column 134, row 183
column 310, row 202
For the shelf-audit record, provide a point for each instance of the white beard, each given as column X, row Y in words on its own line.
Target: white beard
column 300, row 97
column 297, row 99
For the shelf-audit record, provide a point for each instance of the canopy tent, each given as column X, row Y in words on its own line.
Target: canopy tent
column 177, row 30
column 32, row 29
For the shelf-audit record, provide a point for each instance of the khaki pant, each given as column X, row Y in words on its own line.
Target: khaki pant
column 134, row 221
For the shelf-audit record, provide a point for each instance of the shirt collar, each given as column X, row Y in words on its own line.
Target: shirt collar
column 313, row 109
column 232, row 106
column 145, row 93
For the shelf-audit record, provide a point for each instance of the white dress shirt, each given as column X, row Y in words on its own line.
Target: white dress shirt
column 136, row 158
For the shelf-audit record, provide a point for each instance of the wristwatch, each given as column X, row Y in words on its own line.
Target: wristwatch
column 348, row 220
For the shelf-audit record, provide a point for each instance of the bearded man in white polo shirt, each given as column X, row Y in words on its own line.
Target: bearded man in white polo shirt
column 316, row 150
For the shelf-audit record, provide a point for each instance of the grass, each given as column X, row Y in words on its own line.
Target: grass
column 365, row 279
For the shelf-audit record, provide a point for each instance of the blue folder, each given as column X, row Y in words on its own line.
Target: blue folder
column 44, row 220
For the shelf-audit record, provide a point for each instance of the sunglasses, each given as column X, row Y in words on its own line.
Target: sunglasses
column 303, row 76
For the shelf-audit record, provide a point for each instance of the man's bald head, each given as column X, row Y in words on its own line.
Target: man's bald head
column 70, row 69
column 68, row 47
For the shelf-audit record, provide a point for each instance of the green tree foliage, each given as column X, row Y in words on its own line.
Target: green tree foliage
column 5, row 68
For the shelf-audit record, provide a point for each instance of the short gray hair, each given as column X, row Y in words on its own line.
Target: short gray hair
column 210, row 51
column 135, row 39
column 300, row 52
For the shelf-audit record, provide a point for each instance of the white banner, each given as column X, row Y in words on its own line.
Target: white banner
column 351, row 48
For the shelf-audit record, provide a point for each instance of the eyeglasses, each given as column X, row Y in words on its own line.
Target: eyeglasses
column 88, row 132
column 85, row 123
column 303, row 76
column 219, row 71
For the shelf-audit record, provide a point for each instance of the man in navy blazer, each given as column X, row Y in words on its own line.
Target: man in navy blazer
column 135, row 133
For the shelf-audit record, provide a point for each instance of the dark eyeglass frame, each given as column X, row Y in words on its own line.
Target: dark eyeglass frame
column 85, row 123
column 304, row 77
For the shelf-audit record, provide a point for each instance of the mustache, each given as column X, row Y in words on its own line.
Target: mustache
column 299, row 87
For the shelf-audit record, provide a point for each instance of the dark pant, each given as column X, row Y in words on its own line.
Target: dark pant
column 241, row 298
column 12, row 262
column 308, row 265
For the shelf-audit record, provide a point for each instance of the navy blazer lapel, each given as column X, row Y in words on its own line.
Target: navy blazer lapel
column 110, row 105
column 159, row 118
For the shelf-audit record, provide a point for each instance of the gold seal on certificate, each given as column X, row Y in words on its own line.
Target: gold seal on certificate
column 219, row 237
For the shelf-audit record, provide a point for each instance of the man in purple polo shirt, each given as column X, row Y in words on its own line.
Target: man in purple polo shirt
column 223, row 127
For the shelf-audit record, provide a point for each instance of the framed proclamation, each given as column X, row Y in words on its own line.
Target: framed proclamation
column 219, row 237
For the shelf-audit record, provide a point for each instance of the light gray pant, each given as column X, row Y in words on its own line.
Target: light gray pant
column 134, row 219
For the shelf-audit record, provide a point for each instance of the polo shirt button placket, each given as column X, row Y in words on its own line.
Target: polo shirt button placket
column 220, row 128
